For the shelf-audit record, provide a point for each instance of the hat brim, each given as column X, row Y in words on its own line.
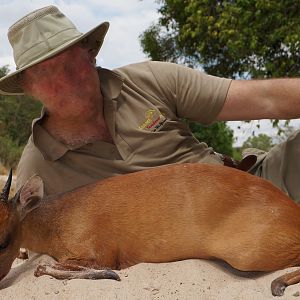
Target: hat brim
column 10, row 84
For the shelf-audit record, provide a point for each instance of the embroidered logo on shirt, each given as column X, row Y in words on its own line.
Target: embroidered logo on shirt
column 154, row 120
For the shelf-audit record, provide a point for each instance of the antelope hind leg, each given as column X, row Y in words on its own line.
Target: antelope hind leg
column 279, row 285
column 72, row 271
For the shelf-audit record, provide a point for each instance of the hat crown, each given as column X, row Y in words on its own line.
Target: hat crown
column 39, row 33
column 36, row 14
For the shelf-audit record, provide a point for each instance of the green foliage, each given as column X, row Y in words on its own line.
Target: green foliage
column 237, row 154
column 10, row 152
column 161, row 48
column 3, row 71
column 262, row 142
column 218, row 135
column 16, row 114
column 238, row 39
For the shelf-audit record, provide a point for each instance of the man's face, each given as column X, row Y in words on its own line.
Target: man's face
column 63, row 79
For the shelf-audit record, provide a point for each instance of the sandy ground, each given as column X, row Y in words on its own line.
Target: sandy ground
column 190, row 279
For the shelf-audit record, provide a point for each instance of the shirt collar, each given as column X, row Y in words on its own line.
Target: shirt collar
column 111, row 84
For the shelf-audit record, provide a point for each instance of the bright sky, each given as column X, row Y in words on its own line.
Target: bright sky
column 128, row 19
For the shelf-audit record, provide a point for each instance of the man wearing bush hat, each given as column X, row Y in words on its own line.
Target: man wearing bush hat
column 98, row 123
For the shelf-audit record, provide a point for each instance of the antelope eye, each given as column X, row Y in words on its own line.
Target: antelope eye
column 5, row 244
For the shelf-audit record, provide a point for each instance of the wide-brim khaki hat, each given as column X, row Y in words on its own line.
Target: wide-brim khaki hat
column 40, row 35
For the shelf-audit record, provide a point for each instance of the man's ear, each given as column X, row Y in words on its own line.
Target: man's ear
column 30, row 195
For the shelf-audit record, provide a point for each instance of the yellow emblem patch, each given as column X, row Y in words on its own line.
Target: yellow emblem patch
column 154, row 120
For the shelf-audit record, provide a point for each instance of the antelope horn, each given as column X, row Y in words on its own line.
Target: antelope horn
column 6, row 188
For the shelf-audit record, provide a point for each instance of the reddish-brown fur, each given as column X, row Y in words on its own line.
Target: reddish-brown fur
column 166, row 214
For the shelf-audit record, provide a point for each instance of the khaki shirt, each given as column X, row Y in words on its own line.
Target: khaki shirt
column 143, row 104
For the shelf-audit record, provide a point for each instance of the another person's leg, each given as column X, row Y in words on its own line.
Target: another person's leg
column 281, row 165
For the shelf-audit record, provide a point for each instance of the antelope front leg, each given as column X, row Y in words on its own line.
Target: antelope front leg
column 278, row 285
column 72, row 271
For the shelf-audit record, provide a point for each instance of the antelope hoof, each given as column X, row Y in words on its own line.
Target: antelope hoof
column 107, row 274
column 278, row 287
column 23, row 254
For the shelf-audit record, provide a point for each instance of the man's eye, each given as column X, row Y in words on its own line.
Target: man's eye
column 5, row 244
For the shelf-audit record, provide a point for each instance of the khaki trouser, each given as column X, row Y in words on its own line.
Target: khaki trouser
column 281, row 165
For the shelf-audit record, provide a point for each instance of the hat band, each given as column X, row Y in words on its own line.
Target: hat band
column 46, row 46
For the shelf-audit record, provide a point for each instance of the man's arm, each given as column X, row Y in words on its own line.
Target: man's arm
column 262, row 99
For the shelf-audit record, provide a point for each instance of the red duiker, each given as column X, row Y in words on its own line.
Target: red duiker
column 162, row 214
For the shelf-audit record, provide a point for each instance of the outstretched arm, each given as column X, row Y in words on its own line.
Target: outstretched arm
column 262, row 99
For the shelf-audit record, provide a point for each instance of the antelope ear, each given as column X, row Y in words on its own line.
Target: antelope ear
column 30, row 195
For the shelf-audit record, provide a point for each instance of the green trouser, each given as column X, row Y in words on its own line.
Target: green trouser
column 281, row 165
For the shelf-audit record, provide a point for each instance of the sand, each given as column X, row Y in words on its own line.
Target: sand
column 189, row 279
